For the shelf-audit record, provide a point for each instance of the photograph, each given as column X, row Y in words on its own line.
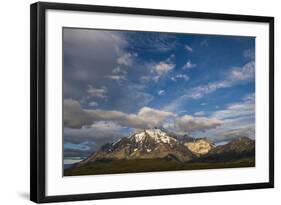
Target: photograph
column 150, row 101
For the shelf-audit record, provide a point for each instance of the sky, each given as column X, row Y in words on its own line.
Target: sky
column 120, row 82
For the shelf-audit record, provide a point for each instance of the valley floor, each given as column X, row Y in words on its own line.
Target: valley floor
column 151, row 165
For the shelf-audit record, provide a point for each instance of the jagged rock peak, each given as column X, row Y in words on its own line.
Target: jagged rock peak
column 154, row 133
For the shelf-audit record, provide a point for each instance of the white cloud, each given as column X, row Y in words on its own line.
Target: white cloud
column 238, row 118
column 243, row 73
column 119, row 70
column 157, row 70
column 236, row 76
column 117, row 77
column 188, row 123
column 93, row 104
column 126, row 59
column 76, row 117
column 163, row 67
column 189, row 65
column 161, row 92
column 188, row 48
column 237, row 110
column 180, row 76
column 97, row 92
column 119, row 73
column 200, row 113
column 153, row 117
column 200, row 91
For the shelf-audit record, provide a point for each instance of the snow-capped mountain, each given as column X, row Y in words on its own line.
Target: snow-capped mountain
column 158, row 144
column 147, row 144
column 158, row 150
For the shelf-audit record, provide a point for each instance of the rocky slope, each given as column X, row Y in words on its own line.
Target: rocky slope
column 200, row 146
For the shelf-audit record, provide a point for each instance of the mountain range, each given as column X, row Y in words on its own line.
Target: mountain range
column 151, row 145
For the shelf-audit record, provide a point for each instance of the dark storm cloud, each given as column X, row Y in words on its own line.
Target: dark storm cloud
column 89, row 56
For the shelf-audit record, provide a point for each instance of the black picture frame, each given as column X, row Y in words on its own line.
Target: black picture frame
column 38, row 101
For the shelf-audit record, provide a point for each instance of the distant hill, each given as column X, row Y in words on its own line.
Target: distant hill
column 242, row 147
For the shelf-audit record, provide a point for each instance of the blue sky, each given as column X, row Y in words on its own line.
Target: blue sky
column 118, row 82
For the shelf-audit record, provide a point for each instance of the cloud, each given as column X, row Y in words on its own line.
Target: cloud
column 200, row 113
column 76, row 117
column 100, row 129
column 238, row 118
column 188, row 123
column 236, row 76
column 126, row 59
column 188, row 48
column 243, row 73
column 200, row 91
column 162, row 68
column 159, row 69
column 73, row 115
column 118, row 70
column 85, row 140
column 86, row 51
column 98, row 59
column 227, row 135
column 93, row 104
column 97, row 92
column 117, row 77
column 235, row 110
column 180, row 76
column 154, row 117
column 85, row 130
column 161, row 92
column 189, row 65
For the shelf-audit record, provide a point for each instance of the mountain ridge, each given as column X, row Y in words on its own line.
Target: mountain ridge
column 157, row 144
column 147, row 144
column 155, row 150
